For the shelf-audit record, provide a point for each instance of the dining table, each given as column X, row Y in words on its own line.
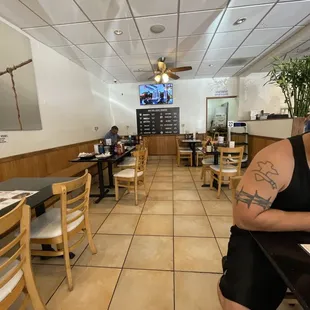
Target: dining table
column 289, row 259
column 192, row 144
column 110, row 160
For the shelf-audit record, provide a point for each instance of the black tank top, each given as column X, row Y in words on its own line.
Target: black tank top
column 296, row 197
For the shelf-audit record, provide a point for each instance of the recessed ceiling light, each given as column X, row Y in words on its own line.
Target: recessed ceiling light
column 157, row 28
column 211, row 65
column 239, row 21
column 118, row 32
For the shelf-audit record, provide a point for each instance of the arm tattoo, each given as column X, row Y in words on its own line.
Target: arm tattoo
column 255, row 199
column 263, row 173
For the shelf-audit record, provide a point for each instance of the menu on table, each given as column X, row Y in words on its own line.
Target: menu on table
column 8, row 198
column 158, row 121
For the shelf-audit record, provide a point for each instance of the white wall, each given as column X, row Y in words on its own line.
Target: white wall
column 254, row 95
column 72, row 102
column 189, row 95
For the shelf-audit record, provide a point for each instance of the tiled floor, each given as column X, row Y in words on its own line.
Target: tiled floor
column 164, row 254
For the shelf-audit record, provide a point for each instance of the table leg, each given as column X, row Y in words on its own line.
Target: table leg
column 110, row 171
column 102, row 191
column 193, row 147
column 39, row 210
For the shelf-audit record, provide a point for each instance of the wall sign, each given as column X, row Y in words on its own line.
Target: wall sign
column 221, row 93
column 4, row 138
column 158, row 121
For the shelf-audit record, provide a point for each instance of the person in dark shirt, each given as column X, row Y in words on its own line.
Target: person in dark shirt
column 112, row 134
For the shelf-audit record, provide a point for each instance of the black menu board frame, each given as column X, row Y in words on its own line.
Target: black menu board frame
column 159, row 121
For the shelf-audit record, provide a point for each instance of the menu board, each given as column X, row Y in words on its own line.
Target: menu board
column 158, row 121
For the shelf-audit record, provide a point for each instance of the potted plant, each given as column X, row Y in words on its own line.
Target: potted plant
column 293, row 77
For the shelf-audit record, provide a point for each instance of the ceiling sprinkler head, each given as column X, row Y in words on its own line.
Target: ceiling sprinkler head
column 239, row 21
column 157, row 28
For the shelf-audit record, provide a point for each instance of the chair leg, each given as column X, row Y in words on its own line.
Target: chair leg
column 128, row 188
column 191, row 160
column 178, row 160
column 89, row 235
column 211, row 179
column 204, row 175
column 116, row 190
column 67, row 264
column 202, row 170
column 136, row 192
column 219, row 187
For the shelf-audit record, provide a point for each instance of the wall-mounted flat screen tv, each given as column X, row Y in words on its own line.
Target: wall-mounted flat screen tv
column 156, row 94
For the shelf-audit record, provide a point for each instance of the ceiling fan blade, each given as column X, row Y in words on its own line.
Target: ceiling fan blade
column 151, row 78
column 180, row 69
column 173, row 76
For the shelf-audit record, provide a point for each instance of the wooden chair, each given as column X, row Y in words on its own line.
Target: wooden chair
column 130, row 161
column 59, row 225
column 129, row 178
column 183, row 154
column 16, row 275
column 230, row 166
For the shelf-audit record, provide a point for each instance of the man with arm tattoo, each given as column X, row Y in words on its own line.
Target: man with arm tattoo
column 273, row 195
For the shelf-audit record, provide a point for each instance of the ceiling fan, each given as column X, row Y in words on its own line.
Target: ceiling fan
column 163, row 73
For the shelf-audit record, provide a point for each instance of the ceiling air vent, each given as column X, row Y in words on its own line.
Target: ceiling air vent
column 238, row 62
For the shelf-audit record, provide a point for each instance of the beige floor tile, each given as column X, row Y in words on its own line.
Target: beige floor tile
column 111, row 251
column 59, row 260
column 197, row 254
column 163, row 174
column 183, row 194
column 131, row 196
column 223, row 244
column 156, row 225
column 148, row 179
column 196, row 291
column 176, row 168
column 150, row 253
column 162, row 179
column 181, row 173
column 151, row 168
column 93, row 289
column 188, row 208
column 149, row 173
column 184, row 185
column 213, row 207
column 48, row 278
column 144, row 290
column 102, row 207
column 128, row 207
column 158, row 207
column 210, row 195
column 182, row 178
column 119, row 224
column 163, row 186
column 164, row 168
column 160, row 195
column 221, row 225
column 192, row 226
column 196, row 171
column 196, row 177
column 96, row 220
column 165, row 164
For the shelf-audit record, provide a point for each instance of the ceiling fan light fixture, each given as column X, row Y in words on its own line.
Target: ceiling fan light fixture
column 157, row 78
column 239, row 21
column 165, row 78
column 157, row 28
column 118, row 32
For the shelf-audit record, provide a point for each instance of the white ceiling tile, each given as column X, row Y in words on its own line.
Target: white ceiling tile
column 207, row 76
column 265, row 36
column 81, row 33
column 190, row 56
column 254, row 14
column 168, row 21
column 249, row 51
column 19, row 15
column 305, row 21
column 229, row 39
column 127, row 25
column 125, row 48
column 71, row 52
column 144, row 8
column 105, row 9
column 220, row 53
column 164, row 45
column 139, row 72
column 123, row 77
column 47, row 35
column 234, row 3
column 144, row 77
column 199, row 22
column 97, row 50
column 56, row 11
column 191, row 43
column 210, row 67
column 286, row 14
column 118, row 70
column 190, row 6
column 113, row 61
column 170, row 57
column 135, row 60
column 228, row 71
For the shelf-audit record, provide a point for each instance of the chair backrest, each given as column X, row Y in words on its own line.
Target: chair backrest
column 177, row 144
column 146, row 141
column 231, row 156
column 15, row 255
column 141, row 158
column 78, row 203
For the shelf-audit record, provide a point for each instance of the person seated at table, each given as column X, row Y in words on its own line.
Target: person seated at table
column 112, row 134
column 273, row 196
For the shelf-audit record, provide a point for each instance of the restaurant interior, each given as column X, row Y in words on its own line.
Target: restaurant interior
column 139, row 219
